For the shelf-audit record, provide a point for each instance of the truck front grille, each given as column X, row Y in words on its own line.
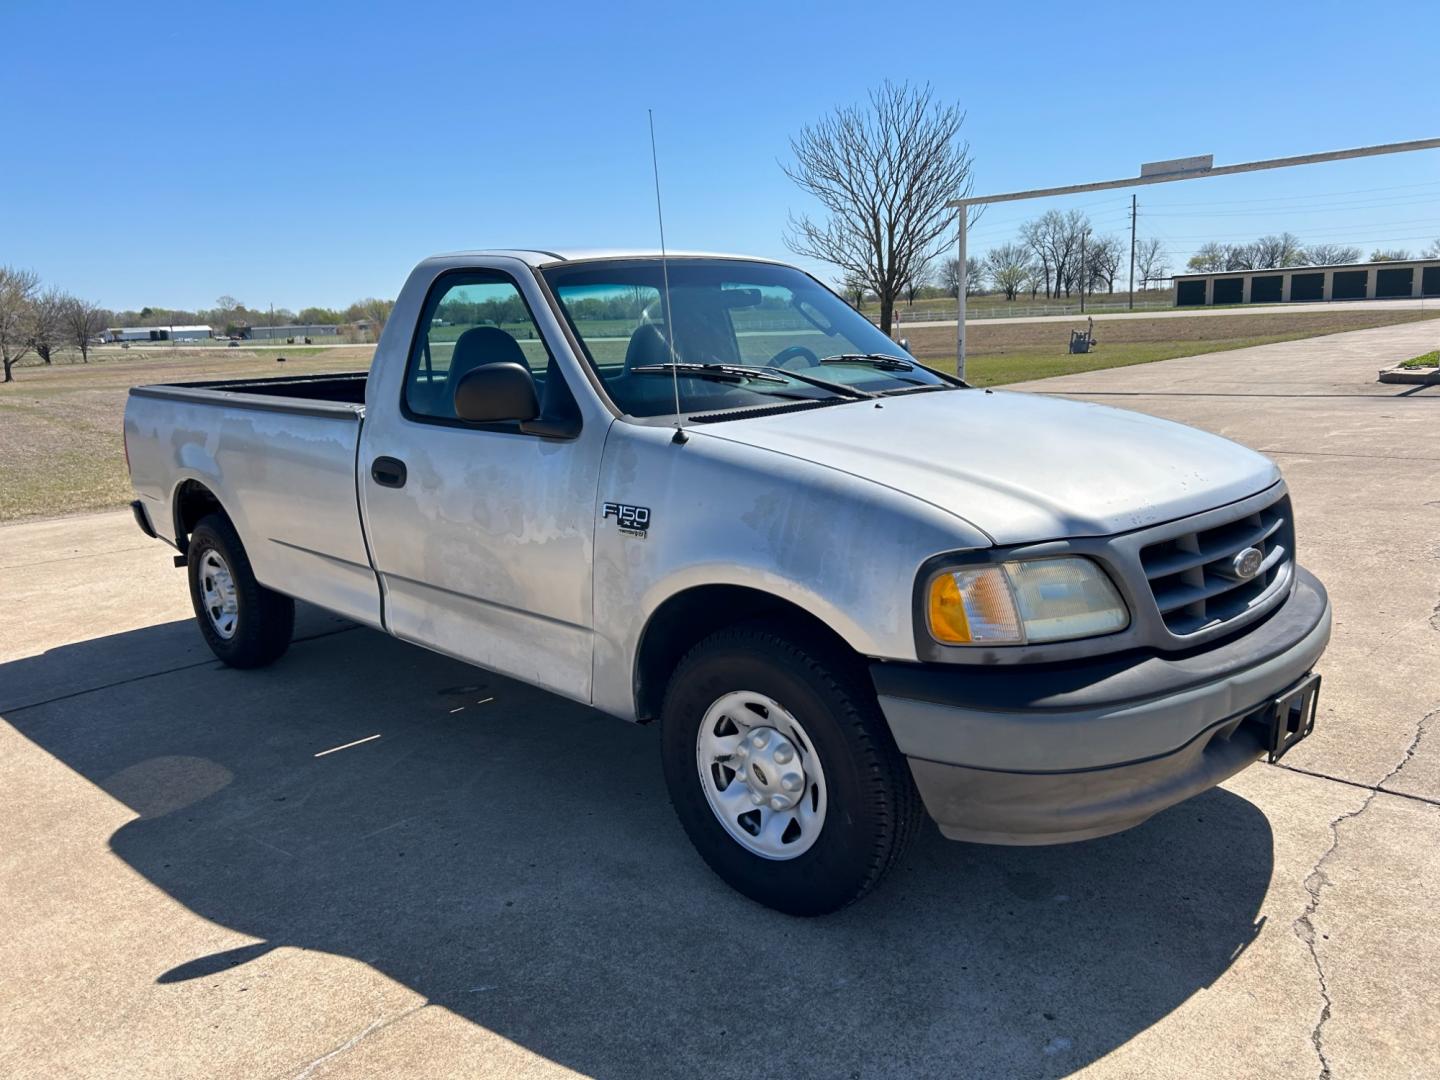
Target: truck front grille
column 1193, row 576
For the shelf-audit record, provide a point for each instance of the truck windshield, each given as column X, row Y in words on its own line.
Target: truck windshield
column 727, row 314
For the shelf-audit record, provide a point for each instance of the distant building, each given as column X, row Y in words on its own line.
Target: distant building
column 157, row 333
column 284, row 333
column 1297, row 284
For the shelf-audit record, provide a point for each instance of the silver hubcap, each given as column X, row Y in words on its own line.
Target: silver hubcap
column 761, row 775
column 217, row 593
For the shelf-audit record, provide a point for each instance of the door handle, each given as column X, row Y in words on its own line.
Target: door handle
column 388, row 472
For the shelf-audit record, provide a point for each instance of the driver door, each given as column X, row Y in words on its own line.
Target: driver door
column 481, row 533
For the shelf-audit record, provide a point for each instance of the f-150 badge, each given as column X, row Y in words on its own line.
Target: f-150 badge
column 633, row 520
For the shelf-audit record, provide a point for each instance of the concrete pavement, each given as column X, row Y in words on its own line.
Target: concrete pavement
column 195, row 881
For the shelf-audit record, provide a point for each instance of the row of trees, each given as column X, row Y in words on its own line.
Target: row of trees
column 1279, row 250
column 42, row 321
column 230, row 316
column 1058, row 253
column 1061, row 253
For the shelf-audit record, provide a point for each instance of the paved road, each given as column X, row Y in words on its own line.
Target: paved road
column 496, row 885
column 1425, row 304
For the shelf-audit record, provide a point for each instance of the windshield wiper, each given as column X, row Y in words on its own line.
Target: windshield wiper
column 883, row 361
column 826, row 384
column 717, row 372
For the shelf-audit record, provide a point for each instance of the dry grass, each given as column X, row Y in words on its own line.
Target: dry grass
column 61, row 447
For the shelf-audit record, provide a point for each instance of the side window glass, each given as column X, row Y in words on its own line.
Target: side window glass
column 476, row 318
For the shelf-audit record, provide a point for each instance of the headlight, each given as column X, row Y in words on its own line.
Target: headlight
column 1023, row 602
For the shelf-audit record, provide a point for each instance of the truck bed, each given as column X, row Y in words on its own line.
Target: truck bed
column 285, row 393
column 279, row 455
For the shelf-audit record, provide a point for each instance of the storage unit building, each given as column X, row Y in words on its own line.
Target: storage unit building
column 285, row 333
column 1297, row 284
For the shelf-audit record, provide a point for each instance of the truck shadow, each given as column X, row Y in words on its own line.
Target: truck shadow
column 513, row 858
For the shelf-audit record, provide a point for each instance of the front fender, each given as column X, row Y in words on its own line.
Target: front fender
column 844, row 549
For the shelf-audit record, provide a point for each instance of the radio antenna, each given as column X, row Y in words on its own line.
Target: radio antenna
column 665, row 277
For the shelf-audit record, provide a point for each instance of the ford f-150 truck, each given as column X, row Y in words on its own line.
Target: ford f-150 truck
column 707, row 492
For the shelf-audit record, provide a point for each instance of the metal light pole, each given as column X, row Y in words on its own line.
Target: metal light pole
column 961, row 288
column 1156, row 172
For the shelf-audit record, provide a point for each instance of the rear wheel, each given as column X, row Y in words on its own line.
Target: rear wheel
column 783, row 771
column 245, row 624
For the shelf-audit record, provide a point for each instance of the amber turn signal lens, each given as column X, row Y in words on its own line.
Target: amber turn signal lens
column 947, row 611
column 973, row 606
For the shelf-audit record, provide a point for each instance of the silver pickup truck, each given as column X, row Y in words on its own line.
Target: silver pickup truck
column 707, row 492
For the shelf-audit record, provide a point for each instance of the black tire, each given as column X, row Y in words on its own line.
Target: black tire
column 873, row 807
column 265, row 620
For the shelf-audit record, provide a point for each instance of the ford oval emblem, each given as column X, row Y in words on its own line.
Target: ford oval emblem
column 1247, row 563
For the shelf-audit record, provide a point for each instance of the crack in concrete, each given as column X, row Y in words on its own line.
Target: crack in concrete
column 1304, row 926
column 349, row 1044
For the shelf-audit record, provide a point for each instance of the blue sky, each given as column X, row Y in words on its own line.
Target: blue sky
column 165, row 154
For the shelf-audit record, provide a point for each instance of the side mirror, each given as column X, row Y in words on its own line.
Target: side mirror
column 496, row 392
column 904, row 343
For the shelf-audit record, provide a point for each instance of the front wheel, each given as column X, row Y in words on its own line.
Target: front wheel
column 782, row 770
column 245, row 624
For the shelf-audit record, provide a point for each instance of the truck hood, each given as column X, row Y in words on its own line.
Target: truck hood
column 1021, row 467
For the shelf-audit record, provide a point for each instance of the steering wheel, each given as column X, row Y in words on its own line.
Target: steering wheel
column 785, row 358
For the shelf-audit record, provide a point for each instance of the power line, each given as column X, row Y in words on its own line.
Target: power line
column 1292, row 198
column 1357, row 230
column 1326, row 208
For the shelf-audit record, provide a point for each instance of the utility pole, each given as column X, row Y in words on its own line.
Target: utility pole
column 1082, row 270
column 1132, row 250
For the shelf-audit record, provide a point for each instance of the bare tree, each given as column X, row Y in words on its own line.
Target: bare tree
column 1331, row 254
column 883, row 173
column 47, row 322
column 852, row 287
column 1239, row 257
column 1208, row 259
column 1276, row 251
column 974, row 275
column 83, row 323
column 17, row 300
column 1055, row 239
column 1035, row 278
column 918, row 279
column 1102, row 261
column 1431, row 252
column 1389, row 255
column 1150, row 260
column 1009, row 267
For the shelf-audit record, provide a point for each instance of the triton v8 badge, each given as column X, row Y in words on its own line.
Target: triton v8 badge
column 633, row 520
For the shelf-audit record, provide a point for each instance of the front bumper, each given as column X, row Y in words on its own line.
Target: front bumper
column 1042, row 755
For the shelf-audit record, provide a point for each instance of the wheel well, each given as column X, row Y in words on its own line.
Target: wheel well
column 193, row 500
column 686, row 618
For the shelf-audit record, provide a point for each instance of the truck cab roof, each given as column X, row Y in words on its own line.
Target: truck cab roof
column 539, row 257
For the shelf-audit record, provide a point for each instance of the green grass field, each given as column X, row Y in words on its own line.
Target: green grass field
column 1016, row 352
column 61, row 448
column 995, row 306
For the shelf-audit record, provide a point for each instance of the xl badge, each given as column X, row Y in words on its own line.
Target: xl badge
column 633, row 520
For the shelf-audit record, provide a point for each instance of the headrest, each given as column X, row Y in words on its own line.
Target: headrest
column 647, row 346
column 482, row 345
